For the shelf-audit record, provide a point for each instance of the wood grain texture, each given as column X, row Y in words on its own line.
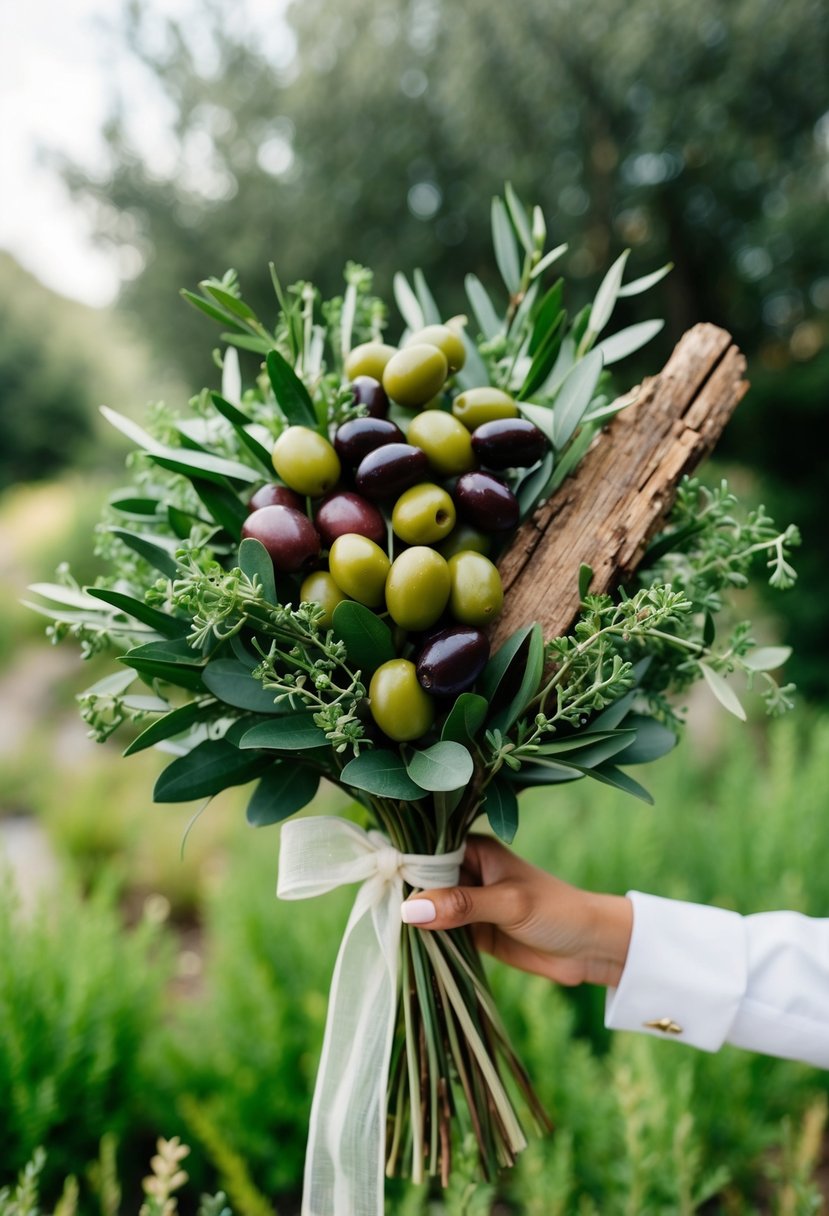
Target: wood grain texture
column 605, row 514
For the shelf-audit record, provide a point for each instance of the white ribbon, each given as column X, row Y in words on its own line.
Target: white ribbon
column 345, row 1161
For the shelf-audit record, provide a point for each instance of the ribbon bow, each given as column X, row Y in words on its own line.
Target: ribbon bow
column 345, row 1161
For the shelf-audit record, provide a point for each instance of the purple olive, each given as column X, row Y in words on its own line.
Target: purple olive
column 355, row 439
column 508, row 443
column 345, row 512
column 370, row 393
column 391, row 469
column 289, row 536
column 452, row 660
column 486, row 503
column 273, row 495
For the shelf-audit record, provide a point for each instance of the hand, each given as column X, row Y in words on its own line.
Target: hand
column 528, row 918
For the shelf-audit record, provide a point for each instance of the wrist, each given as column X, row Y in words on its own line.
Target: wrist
column 611, row 919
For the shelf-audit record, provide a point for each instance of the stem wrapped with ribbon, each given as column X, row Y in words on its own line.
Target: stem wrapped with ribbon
column 345, row 1162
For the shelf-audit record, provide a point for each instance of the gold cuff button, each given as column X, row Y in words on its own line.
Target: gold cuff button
column 666, row 1025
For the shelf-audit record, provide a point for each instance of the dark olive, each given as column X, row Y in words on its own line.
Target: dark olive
column 345, row 512
column 273, row 495
column 370, row 393
column 355, row 439
column 452, row 660
column 391, row 469
column 289, row 536
column 486, row 503
column 508, row 443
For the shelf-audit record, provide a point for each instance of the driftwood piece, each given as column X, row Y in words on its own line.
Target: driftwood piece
column 607, row 511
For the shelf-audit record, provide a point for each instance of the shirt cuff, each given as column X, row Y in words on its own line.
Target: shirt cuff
column 685, row 973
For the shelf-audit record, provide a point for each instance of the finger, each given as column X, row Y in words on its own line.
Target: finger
column 450, row 907
column 537, row 962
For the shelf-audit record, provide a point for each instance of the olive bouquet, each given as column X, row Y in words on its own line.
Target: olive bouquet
column 302, row 573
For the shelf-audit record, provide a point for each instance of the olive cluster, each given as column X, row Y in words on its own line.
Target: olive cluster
column 406, row 520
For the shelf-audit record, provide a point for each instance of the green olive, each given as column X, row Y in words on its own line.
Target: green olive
column 417, row 588
column 446, row 442
column 476, row 593
column 370, row 359
column 463, row 537
column 359, row 567
column 445, row 339
column 479, row 405
column 320, row 588
column 398, row 704
column 423, row 514
column 306, row 461
column 413, row 375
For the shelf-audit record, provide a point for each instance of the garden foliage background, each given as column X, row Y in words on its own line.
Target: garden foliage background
column 151, row 995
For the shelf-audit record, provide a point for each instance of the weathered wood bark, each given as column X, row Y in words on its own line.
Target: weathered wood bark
column 607, row 511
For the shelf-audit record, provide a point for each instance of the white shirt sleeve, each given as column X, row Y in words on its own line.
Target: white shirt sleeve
column 706, row 976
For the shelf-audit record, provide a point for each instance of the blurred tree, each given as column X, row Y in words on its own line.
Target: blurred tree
column 379, row 131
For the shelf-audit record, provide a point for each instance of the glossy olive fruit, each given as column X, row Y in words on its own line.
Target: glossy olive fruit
column 446, row 442
column 463, row 537
column 486, row 503
column 355, row 439
column 508, row 443
column 368, row 391
column 288, row 535
column 479, row 405
column 398, row 704
column 320, row 588
column 391, row 469
column 417, row 588
column 476, row 595
column 370, row 359
column 273, row 495
column 445, row 339
column 359, row 567
column 452, row 660
column 344, row 512
column 306, row 461
column 415, row 374
column 423, row 514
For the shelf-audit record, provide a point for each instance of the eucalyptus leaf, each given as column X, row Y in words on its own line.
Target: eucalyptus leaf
column 465, row 718
column 284, row 789
column 174, row 723
column 407, row 302
column 574, row 397
column 212, row 766
column 163, row 622
column 767, row 658
column 292, row 396
column 291, row 733
column 626, row 341
column 501, row 807
column 506, row 248
column 255, row 562
column 490, row 323
column 230, row 681
column 723, row 691
column 368, row 640
column 382, row 773
column 443, row 767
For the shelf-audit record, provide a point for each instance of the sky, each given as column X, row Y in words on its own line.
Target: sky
column 60, row 67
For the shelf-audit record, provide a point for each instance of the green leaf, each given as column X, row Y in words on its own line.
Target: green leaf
column 176, row 722
column 132, row 505
column 474, row 372
column 574, row 397
column 767, row 658
column 231, row 303
column 497, row 667
column 382, row 773
column 212, row 766
column 547, row 260
column 230, row 681
column 292, row 396
column 539, row 415
column 285, row 788
column 255, row 562
column 165, row 624
column 291, row 733
column 544, row 358
column 211, row 310
column 407, row 302
column 582, row 739
column 158, row 555
column 532, row 489
column 545, row 319
column 259, row 346
column 626, row 341
column 240, row 422
column 542, row 772
column 180, row 521
column 431, row 312
column 519, row 217
column 605, row 299
column 173, row 661
column 442, row 767
column 180, row 460
column 653, row 740
column 533, row 669
column 501, row 806
column 636, row 286
column 465, row 718
column 598, row 752
column 368, row 640
column 488, row 320
column 506, row 247
column 585, row 579
column 608, row 774
column 223, row 504
column 723, row 691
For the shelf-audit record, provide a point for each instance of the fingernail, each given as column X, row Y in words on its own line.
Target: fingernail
column 417, row 911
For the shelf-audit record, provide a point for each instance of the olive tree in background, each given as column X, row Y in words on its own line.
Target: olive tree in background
column 379, row 132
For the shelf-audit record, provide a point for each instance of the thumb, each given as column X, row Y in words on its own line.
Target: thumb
column 450, row 907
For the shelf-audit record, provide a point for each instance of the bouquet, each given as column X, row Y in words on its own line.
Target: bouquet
column 303, row 577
